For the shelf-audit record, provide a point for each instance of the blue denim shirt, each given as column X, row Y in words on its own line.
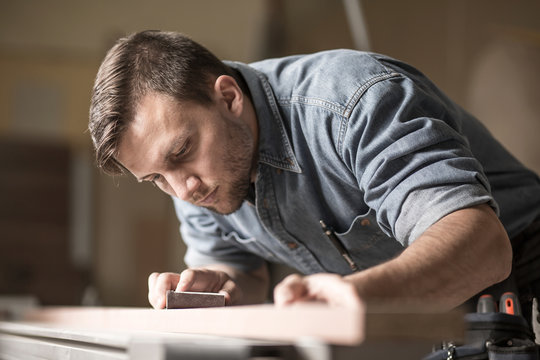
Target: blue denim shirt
column 368, row 145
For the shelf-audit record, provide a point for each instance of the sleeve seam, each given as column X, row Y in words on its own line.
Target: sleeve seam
column 354, row 101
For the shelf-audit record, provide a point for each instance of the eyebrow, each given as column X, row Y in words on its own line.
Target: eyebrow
column 177, row 142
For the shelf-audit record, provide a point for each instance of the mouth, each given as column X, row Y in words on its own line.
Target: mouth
column 208, row 199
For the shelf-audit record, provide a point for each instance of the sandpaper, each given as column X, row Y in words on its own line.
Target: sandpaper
column 188, row 300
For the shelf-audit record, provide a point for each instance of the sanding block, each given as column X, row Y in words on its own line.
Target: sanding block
column 188, row 300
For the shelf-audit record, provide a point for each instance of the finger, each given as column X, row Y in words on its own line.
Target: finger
column 161, row 283
column 198, row 280
column 206, row 280
column 152, row 280
column 291, row 289
column 201, row 280
column 231, row 292
column 187, row 278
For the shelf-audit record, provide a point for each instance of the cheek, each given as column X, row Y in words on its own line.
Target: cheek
column 210, row 165
column 209, row 162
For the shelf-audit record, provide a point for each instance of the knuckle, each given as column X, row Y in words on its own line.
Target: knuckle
column 162, row 276
column 292, row 280
column 294, row 277
column 188, row 273
column 152, row 278
column 162, row 279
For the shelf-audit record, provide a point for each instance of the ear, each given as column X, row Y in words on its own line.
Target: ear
column 226, row 89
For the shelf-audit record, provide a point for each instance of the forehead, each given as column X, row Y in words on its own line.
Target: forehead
column 158, row 121
column 162, row 114
column 154, row 110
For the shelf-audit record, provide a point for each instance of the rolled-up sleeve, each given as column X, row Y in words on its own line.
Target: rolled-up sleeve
column 204, row 240
column 403, row 144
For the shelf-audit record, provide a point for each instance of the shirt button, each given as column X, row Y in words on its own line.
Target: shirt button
column 279, row 171
column 365, row 222
column 265, row 203
column 292, row 245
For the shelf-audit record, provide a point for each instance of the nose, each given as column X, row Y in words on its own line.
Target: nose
column 184, row 187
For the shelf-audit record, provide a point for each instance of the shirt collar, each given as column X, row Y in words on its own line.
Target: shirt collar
column 274, row 145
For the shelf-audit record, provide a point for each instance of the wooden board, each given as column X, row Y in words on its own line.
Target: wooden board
column 332, row 325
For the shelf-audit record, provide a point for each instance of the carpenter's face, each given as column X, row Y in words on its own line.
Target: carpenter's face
column 200, row 154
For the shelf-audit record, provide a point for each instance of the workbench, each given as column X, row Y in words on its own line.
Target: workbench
column 305, row 332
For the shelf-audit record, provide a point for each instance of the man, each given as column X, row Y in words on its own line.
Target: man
column 351, row 167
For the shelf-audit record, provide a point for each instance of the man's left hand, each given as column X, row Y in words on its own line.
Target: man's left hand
column 331, row 289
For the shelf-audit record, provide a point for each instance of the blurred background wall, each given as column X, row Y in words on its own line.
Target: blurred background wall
column 70, row 234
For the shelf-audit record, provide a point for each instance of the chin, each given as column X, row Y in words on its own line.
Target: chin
column 226, row 210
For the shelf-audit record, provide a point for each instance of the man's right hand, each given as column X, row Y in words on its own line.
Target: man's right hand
column 210, row 280
column 201, row 280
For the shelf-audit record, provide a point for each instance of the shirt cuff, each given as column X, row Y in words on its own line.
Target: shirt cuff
column 425, row 207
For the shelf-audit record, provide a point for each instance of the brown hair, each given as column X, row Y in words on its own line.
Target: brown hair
column 148, row 61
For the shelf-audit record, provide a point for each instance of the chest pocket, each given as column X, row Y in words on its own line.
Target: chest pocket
column 367, row 244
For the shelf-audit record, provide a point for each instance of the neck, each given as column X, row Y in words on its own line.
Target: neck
column 250, row 117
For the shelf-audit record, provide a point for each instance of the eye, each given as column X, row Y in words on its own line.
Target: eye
column 183, row 151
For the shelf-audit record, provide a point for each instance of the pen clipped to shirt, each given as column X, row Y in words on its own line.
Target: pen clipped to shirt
column 337, row 243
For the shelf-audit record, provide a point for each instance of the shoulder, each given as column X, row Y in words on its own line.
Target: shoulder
column 334, row 75
column 330, row 62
